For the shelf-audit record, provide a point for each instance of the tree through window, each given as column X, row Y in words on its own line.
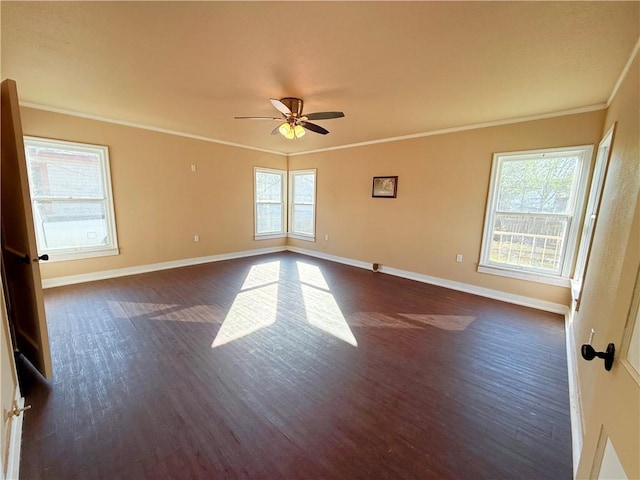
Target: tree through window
column 530, row 223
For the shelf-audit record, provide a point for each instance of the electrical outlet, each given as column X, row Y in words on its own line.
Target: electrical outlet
column 326, row 236
column 196, row 238
column 459, row 258
column 193, row 167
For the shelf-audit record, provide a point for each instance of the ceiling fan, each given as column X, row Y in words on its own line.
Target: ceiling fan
column 294, row 123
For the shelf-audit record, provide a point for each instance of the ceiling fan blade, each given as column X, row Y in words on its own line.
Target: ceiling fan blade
column 281, row 107
column 324, row 115
column 258, row 118
column 314, row 128
column 275, row 130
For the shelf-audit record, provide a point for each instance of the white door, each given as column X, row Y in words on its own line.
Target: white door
column 612, row 443
column 10, row 398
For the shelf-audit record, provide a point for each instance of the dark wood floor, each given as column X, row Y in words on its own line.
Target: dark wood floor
column 441, row 384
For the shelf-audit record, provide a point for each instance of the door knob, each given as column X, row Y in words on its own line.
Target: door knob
column 589, row 353
column 43, row 258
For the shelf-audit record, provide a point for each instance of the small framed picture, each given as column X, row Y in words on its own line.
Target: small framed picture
column 385, row 187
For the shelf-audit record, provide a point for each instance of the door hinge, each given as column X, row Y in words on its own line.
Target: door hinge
column 16, row 411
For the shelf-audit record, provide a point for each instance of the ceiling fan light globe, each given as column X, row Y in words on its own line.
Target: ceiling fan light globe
column 299, row 131
column 285, row 129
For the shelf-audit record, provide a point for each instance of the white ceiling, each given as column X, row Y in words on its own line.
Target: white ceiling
column 394, row 68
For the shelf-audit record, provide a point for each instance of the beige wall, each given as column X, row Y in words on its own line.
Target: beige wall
column 443, row 183
column 159, row 203
column 616, row 245
column 442, row 191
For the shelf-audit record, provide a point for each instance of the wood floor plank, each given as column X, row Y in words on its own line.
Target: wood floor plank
column 441, row 384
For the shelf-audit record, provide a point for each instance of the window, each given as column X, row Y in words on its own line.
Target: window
column 269, row 202
column 531, row 222
column 302, row 223
column 71, row 197
column 591, row 214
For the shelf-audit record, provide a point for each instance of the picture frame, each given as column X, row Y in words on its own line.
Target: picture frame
column 385, row 187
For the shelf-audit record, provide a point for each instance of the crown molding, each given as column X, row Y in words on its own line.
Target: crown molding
column 624, row 72
column 561, row 113
column 496, row 123
column 141, row 126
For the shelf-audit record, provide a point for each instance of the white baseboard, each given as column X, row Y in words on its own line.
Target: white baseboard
column 153, row 267
column 332, row 258
column 442, row 282
column 575, row 407
column 15, row 443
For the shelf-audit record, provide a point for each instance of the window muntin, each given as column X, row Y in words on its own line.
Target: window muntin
column 530, row 224
column 71, row 197
column 270, row 188
column 303, row 203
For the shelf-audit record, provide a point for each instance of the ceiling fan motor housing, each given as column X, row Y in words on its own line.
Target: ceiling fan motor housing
column 293, row 104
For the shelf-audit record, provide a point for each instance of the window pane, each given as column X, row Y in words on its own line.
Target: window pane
column 268, row 187
column 70, row 224
column 539, row 185
column 72, row 205
column 304, row 188
column 65, row 174
column 269, row 218
column 529, row 240
column 303, row 219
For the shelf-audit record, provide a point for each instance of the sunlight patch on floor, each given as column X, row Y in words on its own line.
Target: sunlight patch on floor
column 410, row 320
column 166, row 311
column 262, row 274
column 321, row 309
column 251, row 311
column 379, row 320
column 443, row 322
column 323, row 312
column 256, row 306
column 311, row 275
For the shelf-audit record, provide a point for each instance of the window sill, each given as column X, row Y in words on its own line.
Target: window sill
column 529, row 276
column 65, row 256
column 269, row 236
column 306, row 238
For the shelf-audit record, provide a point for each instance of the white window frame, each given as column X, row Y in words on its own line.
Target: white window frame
column 573, row 216
column 301, row 235
column 283, row 203
column 591, row 213
column 76, row 253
